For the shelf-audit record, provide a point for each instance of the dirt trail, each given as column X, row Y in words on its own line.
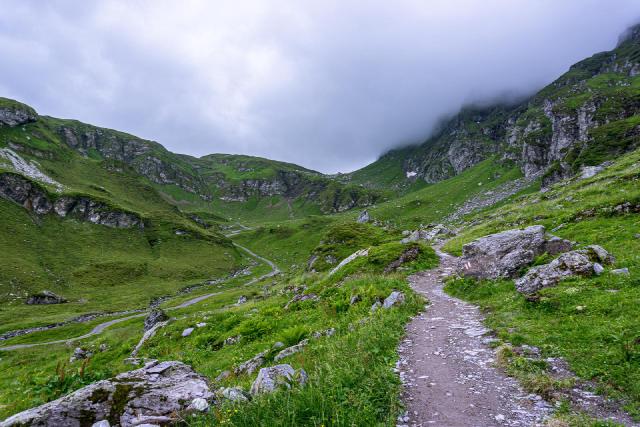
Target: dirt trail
column 447, row 366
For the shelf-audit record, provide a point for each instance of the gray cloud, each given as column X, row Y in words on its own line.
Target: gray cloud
column 330, row 85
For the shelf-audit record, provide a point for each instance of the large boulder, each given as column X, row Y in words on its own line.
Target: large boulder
column 155, row 394
column 505, row 254
column 45, row 297
column 543, row 276
column 271, row 378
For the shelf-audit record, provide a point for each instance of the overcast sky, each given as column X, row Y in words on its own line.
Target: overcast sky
column 327, row 84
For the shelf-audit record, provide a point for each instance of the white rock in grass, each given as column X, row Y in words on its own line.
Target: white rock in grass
column 187, row 332
column 597, row 268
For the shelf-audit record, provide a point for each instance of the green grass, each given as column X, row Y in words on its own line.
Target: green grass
column 600, row 341
column 436, row 201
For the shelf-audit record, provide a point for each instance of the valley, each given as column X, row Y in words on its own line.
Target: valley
column 291, row 297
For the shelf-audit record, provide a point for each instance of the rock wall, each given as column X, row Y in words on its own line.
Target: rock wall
column 34, row 198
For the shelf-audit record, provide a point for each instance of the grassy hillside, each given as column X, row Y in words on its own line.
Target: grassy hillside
column 591, row 322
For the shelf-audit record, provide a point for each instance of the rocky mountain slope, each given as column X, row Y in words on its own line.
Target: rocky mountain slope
column 215, row 180
column 585, row 117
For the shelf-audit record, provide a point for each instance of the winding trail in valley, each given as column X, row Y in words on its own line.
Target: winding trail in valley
column 98, row 329
column 448, row 368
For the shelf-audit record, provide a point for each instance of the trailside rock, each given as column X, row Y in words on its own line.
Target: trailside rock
column 394, row 298
column 290, row 350
column 544, row 276
column 45, row 297
column 155, row 316
column 154, row 394
column 269, row 379
column 502, row 254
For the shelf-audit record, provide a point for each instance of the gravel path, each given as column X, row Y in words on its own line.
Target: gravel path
column 447, row 366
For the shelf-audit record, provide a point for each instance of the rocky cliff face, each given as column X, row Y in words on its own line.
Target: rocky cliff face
column 34, row 198
column 588, row 115
column 147, row 158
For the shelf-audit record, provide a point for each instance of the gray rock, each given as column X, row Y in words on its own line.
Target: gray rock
column 234, row 394
column 376, row 305
column 223, row 375
column 407, row 255
column 187, row 332
column 330, row 332
column 364, row 216
column 555, row 245
column 103, row 423
column 241, row 300
column 502, row 254
column 301, row 298
column 198, row 405
column 154, row 394
column 277, row 345
column 544, row 276
column 16, row 115
column 155, row 316
column 250, row 366
column 45, row 297
column 597, row 268
column 290, row 350
column 201, row 325
column 34, row 198
column 590, row 171
column 79, row 354
column 350, row 258
column 232, row 340
column 354, row 299
column 271, row 378
column 598, row 253
column 395, row 298
column 623, row 271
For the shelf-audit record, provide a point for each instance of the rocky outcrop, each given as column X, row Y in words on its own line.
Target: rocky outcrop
column 543, row 276
column 430, row 233
column 290, row 350
column 15, row 114
column 503, row 255
column 363, row 217
column 271, row 378
column 250, row 366
column 45, row 297
column 146, row 157
column 301, row 298
column 585, row 262
column 155, row 394
column 394, row 298
column 408, row 255
column 350, row 258
column 34, row 198
column 155, row 316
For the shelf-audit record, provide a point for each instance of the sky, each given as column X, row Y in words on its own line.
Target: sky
column 330, row 85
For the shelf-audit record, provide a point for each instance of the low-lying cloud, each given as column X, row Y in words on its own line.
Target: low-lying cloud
column 330, row 85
